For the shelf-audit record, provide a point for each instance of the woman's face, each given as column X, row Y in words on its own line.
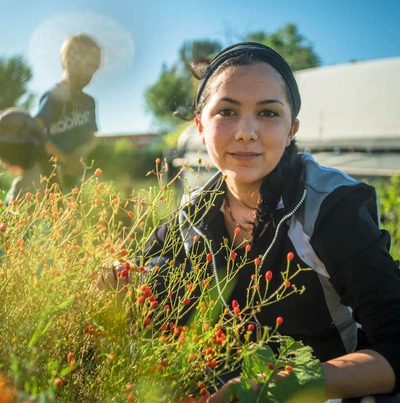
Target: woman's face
column 246, row 123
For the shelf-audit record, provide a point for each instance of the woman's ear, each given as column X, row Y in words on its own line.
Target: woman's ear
column 199, row 126
column 293, row 130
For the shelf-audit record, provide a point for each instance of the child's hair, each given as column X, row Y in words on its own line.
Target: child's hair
column 77, row 46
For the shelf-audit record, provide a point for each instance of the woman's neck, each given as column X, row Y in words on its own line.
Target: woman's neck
column 240, row 196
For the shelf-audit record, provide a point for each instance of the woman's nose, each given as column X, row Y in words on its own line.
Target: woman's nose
column 246, row 130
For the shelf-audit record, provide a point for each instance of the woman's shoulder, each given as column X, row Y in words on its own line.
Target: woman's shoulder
column 326, row 187
column 324, row 179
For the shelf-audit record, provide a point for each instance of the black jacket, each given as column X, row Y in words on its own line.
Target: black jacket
column 352, row 294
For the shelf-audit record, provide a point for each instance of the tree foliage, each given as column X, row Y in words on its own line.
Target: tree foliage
column 174, row 90
column 288, row 42
column 14, row 77
column 170, row 93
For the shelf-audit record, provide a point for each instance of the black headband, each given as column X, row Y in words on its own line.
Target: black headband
column 261, row 52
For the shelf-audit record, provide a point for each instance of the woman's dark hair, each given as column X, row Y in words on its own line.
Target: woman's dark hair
column 283, row 180
column 199, row 66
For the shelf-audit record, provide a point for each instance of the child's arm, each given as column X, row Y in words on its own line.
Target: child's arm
column 51, row 148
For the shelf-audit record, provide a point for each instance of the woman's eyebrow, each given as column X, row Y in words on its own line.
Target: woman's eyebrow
column 263, row 102
column 270, row 101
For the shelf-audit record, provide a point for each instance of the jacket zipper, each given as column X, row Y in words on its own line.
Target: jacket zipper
column 214, row 266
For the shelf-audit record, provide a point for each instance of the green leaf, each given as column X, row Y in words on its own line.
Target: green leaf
column 306, row 381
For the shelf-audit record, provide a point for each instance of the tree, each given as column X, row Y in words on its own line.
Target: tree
column 174, row 90
column 169, row 94
column 14, row 77
column 288, row 42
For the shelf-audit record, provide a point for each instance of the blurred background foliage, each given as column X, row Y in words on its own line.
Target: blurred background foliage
column 174, row 89
column 130, row 169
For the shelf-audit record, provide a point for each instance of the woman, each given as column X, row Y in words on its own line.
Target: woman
column 247, row 104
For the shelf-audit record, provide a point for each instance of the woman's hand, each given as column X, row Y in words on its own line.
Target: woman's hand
column 219, row 397
column 114, row 276
column 203, row 399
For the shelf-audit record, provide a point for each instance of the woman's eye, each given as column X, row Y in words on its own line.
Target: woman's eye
column 226, row 112
column 268, row 113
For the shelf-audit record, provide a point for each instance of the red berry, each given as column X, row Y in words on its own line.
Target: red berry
column 209, row 257
column 271, row 366
column 257, row 261
column 289, row 368
column 248, row 248
column 233, row 255
column 123, row 252
column 154, row 304
column 3, row 227
column 124, row 272
column 186, row 301
column 201, row 385
column 158, row 160
column 290, row 256
column 212, row 363
column 237, row 231
column 279, row 320
column 250, row 327
column 287, row 284
column 235, row 304
column 58, row 382
column 236, row 310
column 98, row 172
column 268, row 275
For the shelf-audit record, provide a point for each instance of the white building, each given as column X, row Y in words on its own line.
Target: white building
column 349, row 118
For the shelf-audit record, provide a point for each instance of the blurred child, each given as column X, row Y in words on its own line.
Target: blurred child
column 22, row 152
column 66, row 113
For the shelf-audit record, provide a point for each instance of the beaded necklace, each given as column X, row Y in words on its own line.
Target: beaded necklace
column 228, row 206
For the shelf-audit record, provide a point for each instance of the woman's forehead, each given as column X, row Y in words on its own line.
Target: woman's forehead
column 239, row 75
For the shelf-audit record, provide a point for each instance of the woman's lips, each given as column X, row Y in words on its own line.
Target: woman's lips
column 244, row 156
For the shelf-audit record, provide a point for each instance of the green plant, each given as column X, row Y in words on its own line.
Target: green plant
column 62, row 338
column 389, row 197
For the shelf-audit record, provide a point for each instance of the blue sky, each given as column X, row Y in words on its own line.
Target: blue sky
column 139, row 36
